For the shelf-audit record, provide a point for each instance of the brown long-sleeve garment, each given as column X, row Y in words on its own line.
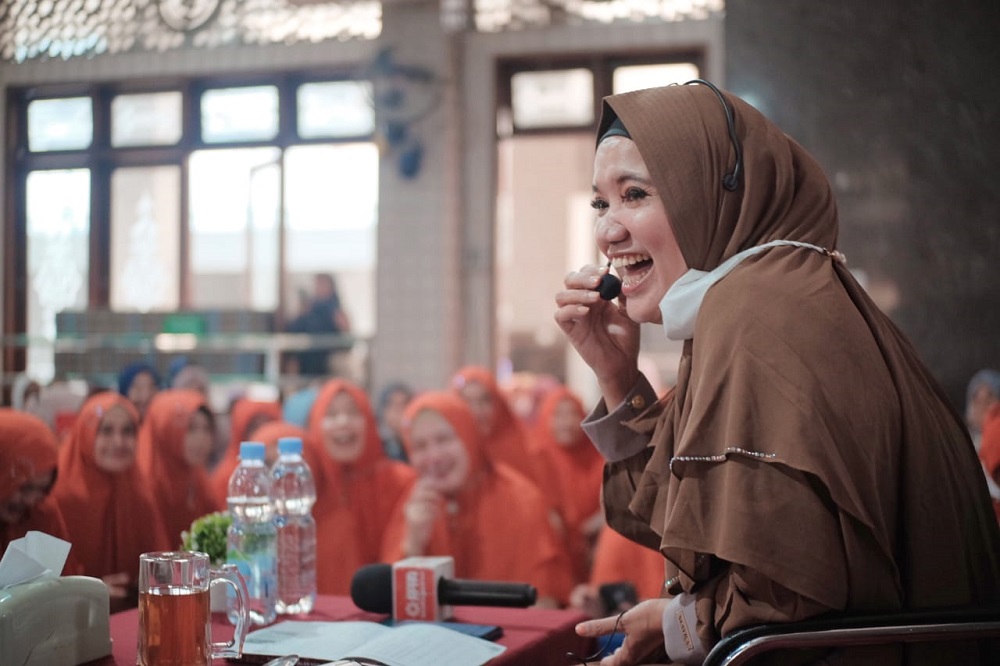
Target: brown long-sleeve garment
column 806, row 460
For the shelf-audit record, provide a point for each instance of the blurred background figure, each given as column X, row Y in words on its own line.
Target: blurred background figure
column 505, row 436
column 186, row 374
column 492, row 519
column 572, row 470
column 623, row 574
column 245, row 416
column 139, row 382
column 982, row 414
column 392, row 402
column 27, row 473
column 323, row 314
column 175, row 442
column 25, row 394
column 357, row 485
column 111, row 516
column 269, row 434
column 295, row 408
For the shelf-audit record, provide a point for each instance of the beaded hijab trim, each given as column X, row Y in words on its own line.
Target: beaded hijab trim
column 721, row 457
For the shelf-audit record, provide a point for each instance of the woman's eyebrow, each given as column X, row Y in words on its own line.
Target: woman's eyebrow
column 626, row 177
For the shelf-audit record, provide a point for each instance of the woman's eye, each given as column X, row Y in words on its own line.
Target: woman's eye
column 598, row 204
column 635, row 193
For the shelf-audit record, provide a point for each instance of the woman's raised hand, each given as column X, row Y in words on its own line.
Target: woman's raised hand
column 601, row 332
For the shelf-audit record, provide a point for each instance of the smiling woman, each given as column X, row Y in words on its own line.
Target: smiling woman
column 102, row 496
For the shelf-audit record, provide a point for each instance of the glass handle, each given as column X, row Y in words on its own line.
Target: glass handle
column 229, row 574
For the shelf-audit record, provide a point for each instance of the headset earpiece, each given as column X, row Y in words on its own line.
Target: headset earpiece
column 731, row 180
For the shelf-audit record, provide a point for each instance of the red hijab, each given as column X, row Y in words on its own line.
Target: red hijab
column 485, row 525
column 573, row 474
column 242, row 415
column 507, row 441
column 111, row 518
column 27, row 449
column 182, row 492
column 354, row 500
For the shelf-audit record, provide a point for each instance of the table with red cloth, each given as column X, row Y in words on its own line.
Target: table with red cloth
column 533, row 637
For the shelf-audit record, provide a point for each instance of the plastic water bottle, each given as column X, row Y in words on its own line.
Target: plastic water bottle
column 252, row 537
column 294, row 494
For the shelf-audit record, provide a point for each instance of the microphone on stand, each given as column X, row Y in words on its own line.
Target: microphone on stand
column 421, row 588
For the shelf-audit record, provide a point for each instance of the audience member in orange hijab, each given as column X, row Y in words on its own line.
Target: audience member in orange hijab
column 989, row 449
column 619, row 561
column 270, row 432
column 573, row 470
column 357, row 486
column 175, row 441
column 27, row 474
column 244, row 417
column 507, row 439
column 110, row 514
column 489, row 517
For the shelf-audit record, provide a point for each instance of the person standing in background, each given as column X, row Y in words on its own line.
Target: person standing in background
column 324, row 315
column 392, row 402
column 139, row 382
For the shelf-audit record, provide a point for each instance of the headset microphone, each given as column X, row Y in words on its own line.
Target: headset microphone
column 610, row 286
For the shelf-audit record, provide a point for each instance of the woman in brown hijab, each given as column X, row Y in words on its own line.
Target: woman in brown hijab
column 806, row 461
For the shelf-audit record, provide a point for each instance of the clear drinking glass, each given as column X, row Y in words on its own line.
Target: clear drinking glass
column 175, row 619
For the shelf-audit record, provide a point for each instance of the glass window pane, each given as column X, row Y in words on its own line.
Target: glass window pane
column 60, row 124
column 149, row 119
column 239, row 114
column 58, row 230
column 557, row 98
column 335, row 108
column 331, row 195
column 145, row 238
column 639, row 77
column 233, row 228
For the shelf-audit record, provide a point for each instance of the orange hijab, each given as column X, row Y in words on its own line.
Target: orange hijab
column 618, row 560
column 241, row 417
column 181, row 491
column 573, row 474
column 485, row 525
column 271, row 432
column 353, row 501
column 508, row 439
column 27, row 450
column 111, row 518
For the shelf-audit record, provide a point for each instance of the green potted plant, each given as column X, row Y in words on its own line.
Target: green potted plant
column 208, row 534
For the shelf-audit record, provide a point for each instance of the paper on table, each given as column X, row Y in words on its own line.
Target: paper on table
column 34, row 556
column 422, row 644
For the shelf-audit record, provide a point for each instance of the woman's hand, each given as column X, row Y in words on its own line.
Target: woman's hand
column 118, row 584
column 601, row 332
column 420, row 512
column 643, row 629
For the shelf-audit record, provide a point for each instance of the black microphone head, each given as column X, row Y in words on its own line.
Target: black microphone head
column 371, row 588
column 730, row 182
column 609, row 287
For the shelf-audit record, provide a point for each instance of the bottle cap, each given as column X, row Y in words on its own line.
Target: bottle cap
column 290, row 446
column 252, row 450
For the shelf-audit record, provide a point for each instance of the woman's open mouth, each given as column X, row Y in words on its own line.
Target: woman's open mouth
column 632, row 269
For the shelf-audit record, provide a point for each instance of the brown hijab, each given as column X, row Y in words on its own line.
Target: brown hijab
column 804, row 439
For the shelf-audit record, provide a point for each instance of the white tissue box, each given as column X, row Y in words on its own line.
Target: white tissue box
column 54, row 622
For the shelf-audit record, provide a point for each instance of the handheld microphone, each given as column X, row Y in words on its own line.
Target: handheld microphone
column 416, row 589
column 610, row 286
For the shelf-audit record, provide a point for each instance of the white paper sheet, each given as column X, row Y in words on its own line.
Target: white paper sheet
column 35, row 556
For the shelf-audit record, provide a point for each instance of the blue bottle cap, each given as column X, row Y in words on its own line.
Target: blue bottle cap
column 252, row 451
column 290, row 446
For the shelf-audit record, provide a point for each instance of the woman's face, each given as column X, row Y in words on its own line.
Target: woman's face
column 395, row 405
column 437, row 453
column 199, row 440
column 480, row 403
column 633, row 230
column 565, row 423
column 17, row 507
column 114, row 446
column 344, row 429
column 141, row 391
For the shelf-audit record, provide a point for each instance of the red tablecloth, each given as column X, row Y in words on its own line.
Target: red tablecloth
column 533, row 637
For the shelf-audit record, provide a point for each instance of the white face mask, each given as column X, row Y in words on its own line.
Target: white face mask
column 681, row 303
